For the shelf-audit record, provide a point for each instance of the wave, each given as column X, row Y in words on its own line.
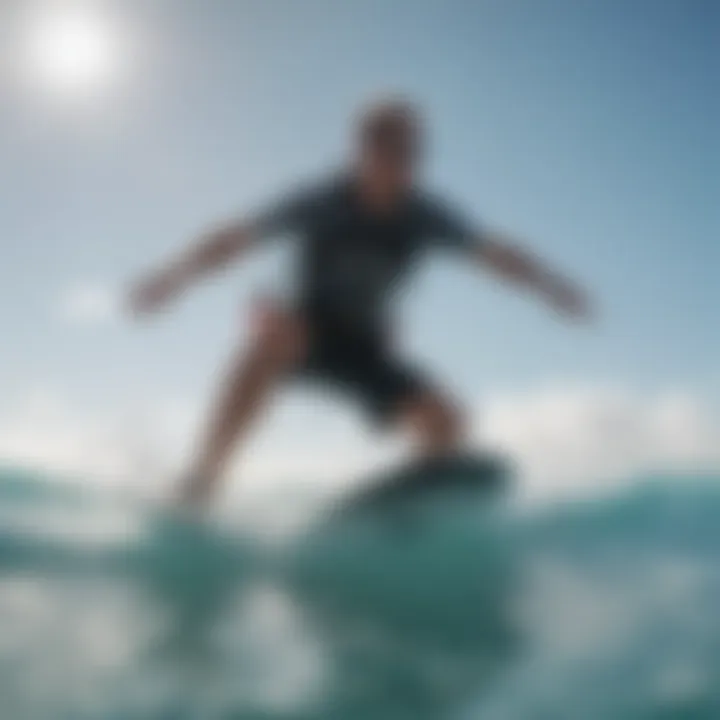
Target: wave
column 603, row 609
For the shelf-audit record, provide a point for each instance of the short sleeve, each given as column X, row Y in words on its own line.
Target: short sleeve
column 290, row 214
column 445, row 228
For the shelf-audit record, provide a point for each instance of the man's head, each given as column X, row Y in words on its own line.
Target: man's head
column 389, row 146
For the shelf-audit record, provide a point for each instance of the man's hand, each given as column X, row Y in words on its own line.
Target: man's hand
column 568, row 299
column 152, row 293
column 212, row 252
column 517, row 265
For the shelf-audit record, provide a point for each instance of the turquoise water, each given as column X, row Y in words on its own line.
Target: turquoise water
column 609, row 609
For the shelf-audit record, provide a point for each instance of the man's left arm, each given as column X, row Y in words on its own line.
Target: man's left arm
column 509, row 261
column 506, row 259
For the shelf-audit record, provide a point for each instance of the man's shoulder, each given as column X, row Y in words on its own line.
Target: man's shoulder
column 428, row 204
column 299, row 208
column 438, row 217
column 326, row 188
column 429, row 201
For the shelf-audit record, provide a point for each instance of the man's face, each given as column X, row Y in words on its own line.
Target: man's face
column 390, row 158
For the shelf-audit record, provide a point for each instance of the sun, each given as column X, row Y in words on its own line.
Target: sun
column 72, row 50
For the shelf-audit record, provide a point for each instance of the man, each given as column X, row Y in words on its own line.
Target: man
column 360, row 233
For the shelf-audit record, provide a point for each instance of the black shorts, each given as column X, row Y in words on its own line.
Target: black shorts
column 360, row 363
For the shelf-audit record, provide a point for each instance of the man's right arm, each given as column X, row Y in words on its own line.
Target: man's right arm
column 215, row 250
column 212, row 252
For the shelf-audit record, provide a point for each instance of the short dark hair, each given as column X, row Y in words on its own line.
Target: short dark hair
column 393, row 120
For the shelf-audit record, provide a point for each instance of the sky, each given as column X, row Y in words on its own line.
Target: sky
column 589, row 129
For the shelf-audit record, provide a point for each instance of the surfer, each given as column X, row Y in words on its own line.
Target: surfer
column 360, row 232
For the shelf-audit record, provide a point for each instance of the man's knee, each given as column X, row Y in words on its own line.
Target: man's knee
column 441, row 423
column 279, row 336
column 448, row 423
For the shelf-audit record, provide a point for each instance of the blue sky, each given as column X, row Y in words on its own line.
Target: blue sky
column 588, row 128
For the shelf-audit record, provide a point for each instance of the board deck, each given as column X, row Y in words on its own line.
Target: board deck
column 476, row 475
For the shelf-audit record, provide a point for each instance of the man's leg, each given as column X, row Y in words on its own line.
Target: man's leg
column 436, row 423
column 396, row 392
column 278, row 346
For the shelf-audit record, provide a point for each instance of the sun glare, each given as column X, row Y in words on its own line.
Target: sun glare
column 72, row 50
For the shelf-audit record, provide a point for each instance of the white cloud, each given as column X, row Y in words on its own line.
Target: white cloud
column 576, row 439
column 88, row 303
column 46, row 431
column 565, row 441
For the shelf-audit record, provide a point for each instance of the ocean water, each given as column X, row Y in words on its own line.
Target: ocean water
column 607, row 609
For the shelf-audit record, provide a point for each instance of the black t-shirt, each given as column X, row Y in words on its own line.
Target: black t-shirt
column 350, row 259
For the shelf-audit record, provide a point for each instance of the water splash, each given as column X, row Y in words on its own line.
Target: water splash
column 602, row 610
